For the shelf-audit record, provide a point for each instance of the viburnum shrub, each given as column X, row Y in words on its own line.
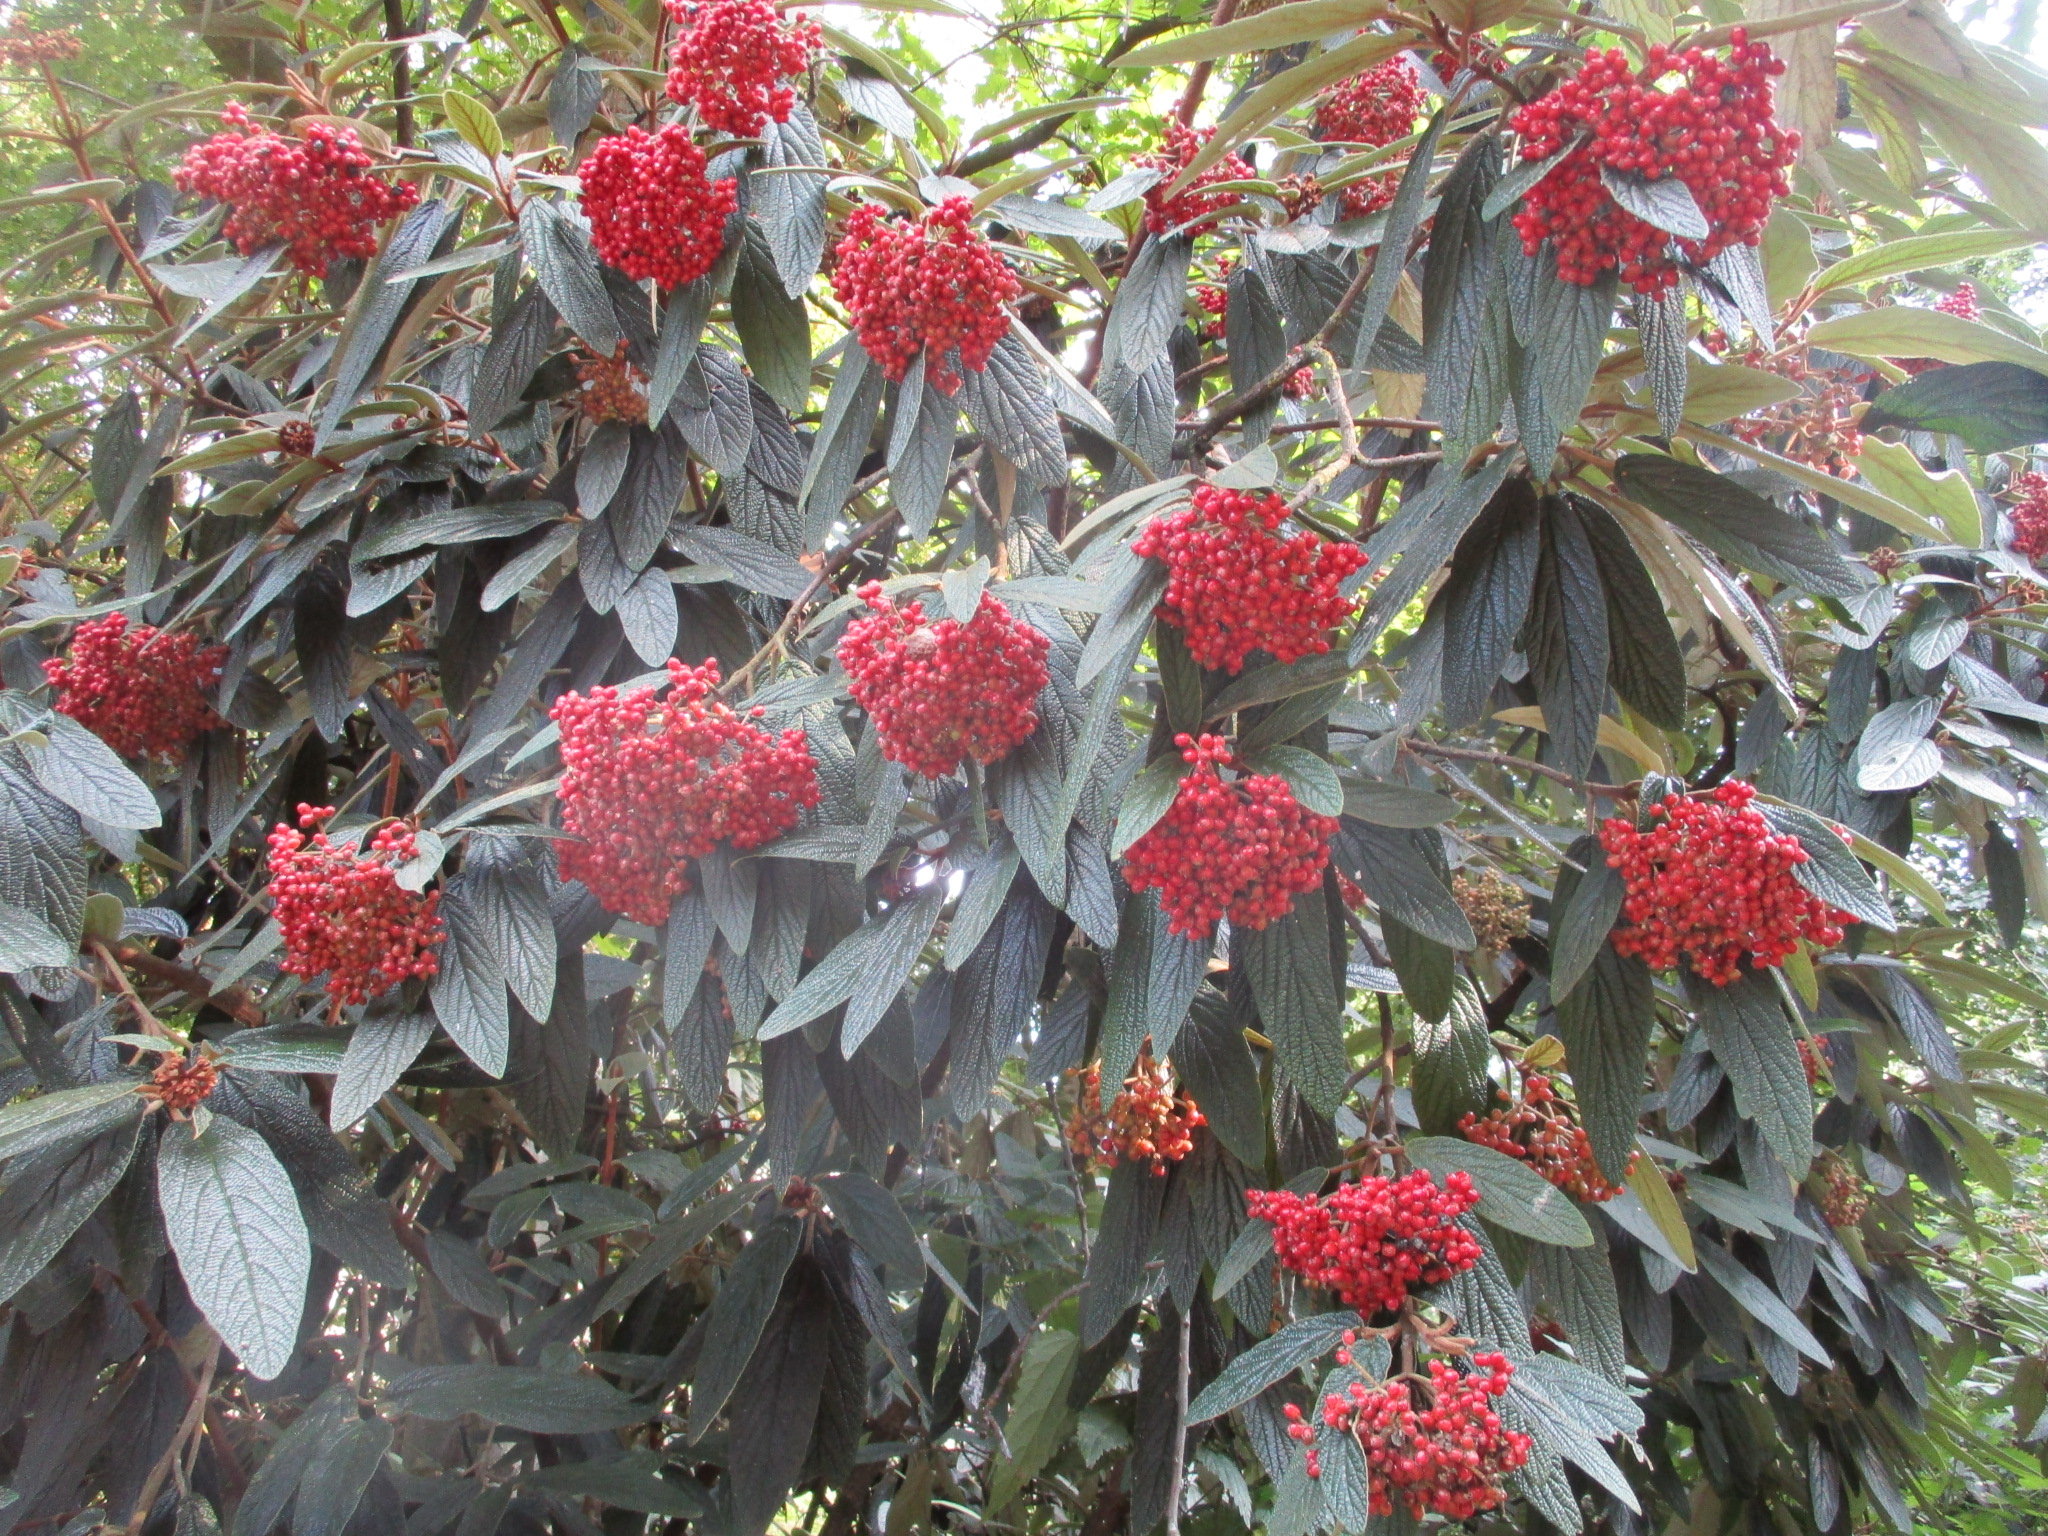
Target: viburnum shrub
column 1375, row 108
column 1962, row 304
column 733, row 60
column 653, row 212
column 648, row 785
column 1710, row 883
column 936, row 693
column 1538, row 1127
column 926, row 285
column 1712, row 130
column 1439, row 1447
column 1235, row 586
column 1373, row 1241
column 1194, row 204
column 343, row 914
column 1150, row 1121
column 182, row 1083
column 613, row 389
column 141, row 691
column 316, row 195
column 1242, row 847
column 2029, row 514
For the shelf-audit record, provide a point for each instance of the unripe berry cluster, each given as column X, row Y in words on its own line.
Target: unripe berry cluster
column 652, row 210
column 2029, row 515
column 613, row 389
column 936, row 693
column 1439, row 1447
column 1152, row 1121
column 180, row 1085
column 344, row 914
column 1497, row 911
column 1816, row 426
column 1374, row 108
column 648, row 786
column 1709, row 883
column 1713, row 131
column 1234, row 586
column 924, row 285
column 296, row 438
column 1243, row 847
column 315, row 194
column 1193, row 205
column 1539, row 1129
column 22, row 49
column 141, row 691
column 1374, row 1241
column 733, row 59
column 1844, row 1198
column 1962, row 304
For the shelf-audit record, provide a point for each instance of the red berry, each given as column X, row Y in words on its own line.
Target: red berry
column 1372, row 109
column 1374, row 1241
column 732, row 57
column 1151, row 1121
column 1192, row 205
column 613, row 389
column 1439, row 1447
column 141, row 691
column 1539, row 1129
column 2029, row 515
column 344, row 914
column 180, row 1085
column 926, row 285
column 653, row 212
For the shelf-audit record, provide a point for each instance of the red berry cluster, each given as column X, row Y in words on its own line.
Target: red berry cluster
column 1375, row 108
column 1497, row 911
column 1374, row 1241
column 1234, row 586
column 924, row 285
column 1449, row 1454
column 1151, row 1121
column 22, row 49
column 733, row 59
column 1844, row 1199
column 648, row 786
column 316, row 194
column 613, row 389
column 2029, row 515
column 180, row 1085
column 653, row 212
column 1816, row 426
column 1193, row 205
column 1539, row 1129
column 296, row 438
column 1713, row 131
column 343, row 913
column 1299, row 385
column 939, row 692
column 1710, row 883
column 141, row 691
column 1809, row 1061
column 1215, row 301
column 1241, row 846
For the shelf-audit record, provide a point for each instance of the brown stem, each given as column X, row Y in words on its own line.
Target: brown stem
column 1198, row 77
column 1506, row 760
column 235, row 1002
column 401, row 71
column 1176, row 1477
column 153, row 1484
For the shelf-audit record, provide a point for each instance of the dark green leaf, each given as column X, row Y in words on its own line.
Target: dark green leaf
column 775, row 329
column 1270, row 1360
column 1578, row 1285
column 542, row 1402
column 2006, row 876
column 1737, row 523
column 336, row 1476
column 1831, row 871
column 1567, row 639
column 1492, row 575
column 1661, row 327
column 1447, row 1075
column 1426, row 968
column 789, row 203
column 777, row 1403
column 1644, row 665
column 557, row 243
column 1402, row 871
column 50, row 1195
column 1288, row 964
column 1582, row 913
column 277, row 1479
column 993, row 995
column 1153, row 977
column 1665, row 203
column 738, row 1313
column 1123, row 1242
column 1751, row 1038
column 1511, row 1193
column 1991, row 406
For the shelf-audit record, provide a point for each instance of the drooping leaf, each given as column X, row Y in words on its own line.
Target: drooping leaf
column 542, row 1402
column 1511, row 1193
column 737, row 1316
column 1746, row 1027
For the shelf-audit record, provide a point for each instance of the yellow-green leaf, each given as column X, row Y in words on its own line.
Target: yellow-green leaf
column 474, row 121
column 1946, row 497
column 1714, row 392
column 1306, row 21
column 1900, row 330
column 1917, row 253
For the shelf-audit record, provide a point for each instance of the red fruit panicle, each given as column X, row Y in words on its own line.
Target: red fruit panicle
column 649, row 785
column 2029, row 514
column 1539, row 1129
column 1152, row 1121
column 1234, row 586
column 1709, row 883
column 1372, row 109
column 734, row 58
column 1374, row 1241
column 1240, row 847
column 940, row 692
column 141, row 691
column 344, row 914
column 613, row 389
column 316, row 195
column 25, row 49
column 181, row 1084
column 1438, row 1448
column 926, row 285
column 1844, row 1198
column 1712, row 130
column 1193, row 205
column 652, row 210
column 1817, row 425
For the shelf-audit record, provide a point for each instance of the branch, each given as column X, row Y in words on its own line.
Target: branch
column 1191, row 103
column 989, row 156
column 235, row 1002
column 1507, row 760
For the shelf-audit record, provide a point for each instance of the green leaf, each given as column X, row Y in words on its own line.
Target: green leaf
column 1426, row 968
column 1831, row 871
column 1272, row 1359
column 1511, row 1193
column 1567, row 638
column 1447, row 1076
column 286, row 1048
column 1737, row 523
column 380, row 1050
column 1920, row 253
column 277, row 1479
column 634, row 1482
column 1605, row 1025
column 1900, row 330
column 1038, row 1413
column 738, row 1313
column 50, row 1195
column 69, row 1116
column 874, row 1219
column 1761, row 1302
column 1403, row 872
column 1582, row 914
column 1747, row 1030
column 1947, row 497
column 1485, row 601
column 1666, row 203
column 1578, row 1284
column 1311, row 778
column 27, row 941
column 1990, row 406
column 774, row 329
column 468, row 990
column 82, row 771
column 2006, row 876
column 1123, row 1243
column 1212, row 1058
column 542, row 1402
column 474, row 121
column 1154, row 974
column 1288, row 965
column 1386, row 804
column 558, row 244
column 336, row 1476
column 1308, row 21
column 1146, row 800
column 1644, row 662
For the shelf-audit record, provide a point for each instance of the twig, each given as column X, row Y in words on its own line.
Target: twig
column 153, row 1484
column 119, row 978
column 1347, row 433
column 779, row 639
column 1506, row 760
column 1176, row 1477
column 989, row 156
column 235, row 1002
column 1184, row 114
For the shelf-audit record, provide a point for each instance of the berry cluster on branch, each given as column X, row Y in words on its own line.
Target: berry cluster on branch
column 26, row 49
column 1844, row 1198
column 2029, row 514
column 928, row 286
column 1538, row 1128
column 1190, row 210
column 181, row 1084
column 1151, row 1122
column 1494, row 906
column 1964, row 306
column 1374, row 1241
column 343, row 913
column 1817, row 426
column 141, row 691
column 1375, row 108
column 653, row 212
column 613, row 389
column 733, row 60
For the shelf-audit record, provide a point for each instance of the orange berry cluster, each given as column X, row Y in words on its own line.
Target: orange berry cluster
column 1844, row 1199
column 648, row 786
column 1374, row 1241
column 1963, row 304
column 1539, row 1129
column 343, row 914
column 1241, row 846
column 939, row 692
column 180, row 1085
column 733, row 59
column 1373, row 108
column 1709, row 883
column 924, row 285
column 1151, row 1121
column 1234, row 586
column 1192, row 206
column 1449, row 1454
column 141, row 691
column 613, row 389
column 22, row 49
column 1816, row 426
column 316, row 194
column 1713, row 131
column 2029, row 515
column 653, row 212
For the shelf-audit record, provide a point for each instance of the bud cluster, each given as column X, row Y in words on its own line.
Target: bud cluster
column 1242, row 847
column 733, row 59
column 1962, row 304
column 343, row 913
column 1540, row 1130
column 1375, row 108
column 1817, row 426
column 649, row 785
column 939, row 692
column 1152, row 1121
column 1496, row 909
column 1374, row 1241
column 1709, row 883
column 652, row 210
column 1235, row 586
column 1844, row 1199
column 22, row 49
column 2029, row 515
column 141, row 691
column 1713, row 131
column 1194, row 205
column 314, row 194
column 613, row 389
column 181, row 1084
column 924, row 285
